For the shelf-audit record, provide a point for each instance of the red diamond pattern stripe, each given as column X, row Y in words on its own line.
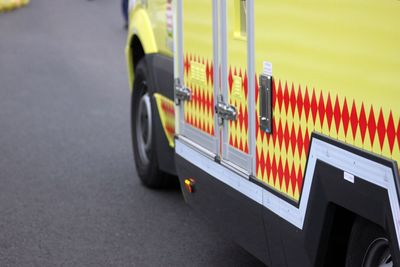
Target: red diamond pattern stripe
column 281, row 156
column 199, row 112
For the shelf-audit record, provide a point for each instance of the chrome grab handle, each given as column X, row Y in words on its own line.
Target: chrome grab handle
column 225, row 111
column 182, row 93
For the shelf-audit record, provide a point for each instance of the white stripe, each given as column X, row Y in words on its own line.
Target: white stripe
column 223, row 174
column 366, row 169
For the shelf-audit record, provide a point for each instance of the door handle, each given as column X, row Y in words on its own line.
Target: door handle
column 265, row 104
column 225, row 111
column 182, row 93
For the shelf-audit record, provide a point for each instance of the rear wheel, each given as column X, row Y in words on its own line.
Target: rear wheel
column 143, row 136
column 368, row 246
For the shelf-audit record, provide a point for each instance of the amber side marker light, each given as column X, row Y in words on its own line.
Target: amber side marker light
column 189, row 185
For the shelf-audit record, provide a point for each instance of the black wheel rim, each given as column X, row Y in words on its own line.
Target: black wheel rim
column 144, row 126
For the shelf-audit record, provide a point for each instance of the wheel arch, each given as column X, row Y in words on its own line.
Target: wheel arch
column 158, row 86
column 334, row 202
column 141, row 40
column 341, row 182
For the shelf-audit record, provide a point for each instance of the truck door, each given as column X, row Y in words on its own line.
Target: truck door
column 237, row 79
column 196, row 85
column 214, row 75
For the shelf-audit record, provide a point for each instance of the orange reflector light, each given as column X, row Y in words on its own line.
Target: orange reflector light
column 189, row 185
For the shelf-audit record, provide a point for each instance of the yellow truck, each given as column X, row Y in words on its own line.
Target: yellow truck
column 280, row 118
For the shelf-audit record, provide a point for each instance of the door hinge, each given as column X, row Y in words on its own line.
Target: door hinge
column 182, row 93
column 225, row 111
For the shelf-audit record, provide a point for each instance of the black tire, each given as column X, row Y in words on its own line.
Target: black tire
column 368, row 246
column 145, row 153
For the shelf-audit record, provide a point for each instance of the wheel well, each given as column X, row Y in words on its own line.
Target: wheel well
column 335, row 236
column 137, row 51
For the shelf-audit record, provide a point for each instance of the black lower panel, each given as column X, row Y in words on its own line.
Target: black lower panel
column 333, row 205
column 165, row 153
column 161, row 80
column 162, row 74
column 235, row 215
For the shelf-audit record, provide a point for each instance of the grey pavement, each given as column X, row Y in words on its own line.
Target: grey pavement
column 69, row 195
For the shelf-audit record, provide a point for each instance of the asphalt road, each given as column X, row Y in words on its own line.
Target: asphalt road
column 69, row 194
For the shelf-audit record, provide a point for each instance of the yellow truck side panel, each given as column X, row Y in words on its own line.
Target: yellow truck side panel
column 336, row 68
column 157, row 11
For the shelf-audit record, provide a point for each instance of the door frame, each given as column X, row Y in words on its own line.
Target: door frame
column 219, row 145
